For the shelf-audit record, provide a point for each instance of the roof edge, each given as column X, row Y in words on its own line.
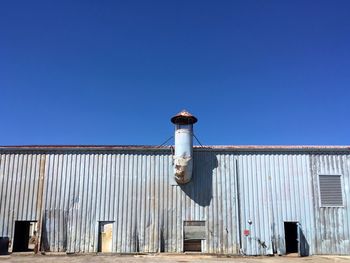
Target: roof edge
column 154, row 148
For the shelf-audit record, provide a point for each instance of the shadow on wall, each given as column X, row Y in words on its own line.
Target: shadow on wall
column 49, row 220
column 200, row 188
column 44, row 246
column 304, row 248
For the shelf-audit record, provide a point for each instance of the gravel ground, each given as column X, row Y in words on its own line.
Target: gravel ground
column 167, row 258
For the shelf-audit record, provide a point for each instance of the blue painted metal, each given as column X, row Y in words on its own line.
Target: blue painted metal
column 183, row 141
column 183, row 162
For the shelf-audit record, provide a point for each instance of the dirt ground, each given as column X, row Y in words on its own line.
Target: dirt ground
column 167, row 258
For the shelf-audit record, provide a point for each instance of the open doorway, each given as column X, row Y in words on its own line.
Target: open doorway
column 105, row 236
column 24, row 231
column 291, row 237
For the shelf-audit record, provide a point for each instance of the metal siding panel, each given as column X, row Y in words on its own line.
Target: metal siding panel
column 133, row 188
column 250, row 196
column 2, row 186
column 219, row 211
column 75, row 204
column 296, row 198
column 17, row 187
column 91, row 221
column 122, row 197
column 4, row 193
column 84, row 202
column 33, row 187
column 332, row 223
column 57, row 206
column 118, row 204
column 127, row 213
column 21, row 184
column 67, row 202
column 112, row 201
column 9, row 221
column 271, row 194
column 346, row 183
column 18, row 183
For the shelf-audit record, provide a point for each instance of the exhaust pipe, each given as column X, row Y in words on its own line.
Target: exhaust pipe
column 183, row 162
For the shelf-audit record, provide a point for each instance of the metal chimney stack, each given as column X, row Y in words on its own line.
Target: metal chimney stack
column 183, row 162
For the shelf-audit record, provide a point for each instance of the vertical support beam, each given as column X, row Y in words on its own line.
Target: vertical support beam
column 40, row 203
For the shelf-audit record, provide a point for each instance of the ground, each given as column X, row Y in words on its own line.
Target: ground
column 167, row 258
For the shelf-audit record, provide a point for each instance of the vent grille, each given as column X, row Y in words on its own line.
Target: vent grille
column 331, row 190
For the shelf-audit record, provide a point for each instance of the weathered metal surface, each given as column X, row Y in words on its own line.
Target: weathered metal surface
column 183, row 161
column 274, row 188
column 332, row 224
column 183, row 167
column 184, row 118
column 284, row 187
column 194, row 232
column 132, row 187
column 40, row 204
column 19, row 177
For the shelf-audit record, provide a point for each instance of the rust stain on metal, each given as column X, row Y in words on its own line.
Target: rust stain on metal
column 184, row 117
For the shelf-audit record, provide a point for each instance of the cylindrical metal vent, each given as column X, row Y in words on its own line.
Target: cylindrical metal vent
column 183, row 162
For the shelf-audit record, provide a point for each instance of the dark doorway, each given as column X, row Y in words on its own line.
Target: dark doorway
column 193, row 245
column 291, row 237
column 23, row 232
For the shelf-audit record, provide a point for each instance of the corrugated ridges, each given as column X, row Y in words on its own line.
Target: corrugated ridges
column 135, row 189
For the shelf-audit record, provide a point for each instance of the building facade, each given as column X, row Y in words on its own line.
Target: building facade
column 252, row 200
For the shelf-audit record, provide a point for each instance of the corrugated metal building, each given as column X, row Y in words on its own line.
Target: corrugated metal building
column 241, row 199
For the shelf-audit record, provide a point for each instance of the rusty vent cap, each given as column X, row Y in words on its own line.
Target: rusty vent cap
column 184, row 117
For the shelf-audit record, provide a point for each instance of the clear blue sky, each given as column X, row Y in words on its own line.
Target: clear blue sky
column 114, row 72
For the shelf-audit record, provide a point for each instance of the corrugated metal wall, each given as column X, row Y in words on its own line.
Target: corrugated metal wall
column 274, row 188
column 277, row 188
column 332, row 224
column 135, row 190
column 19, row 181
